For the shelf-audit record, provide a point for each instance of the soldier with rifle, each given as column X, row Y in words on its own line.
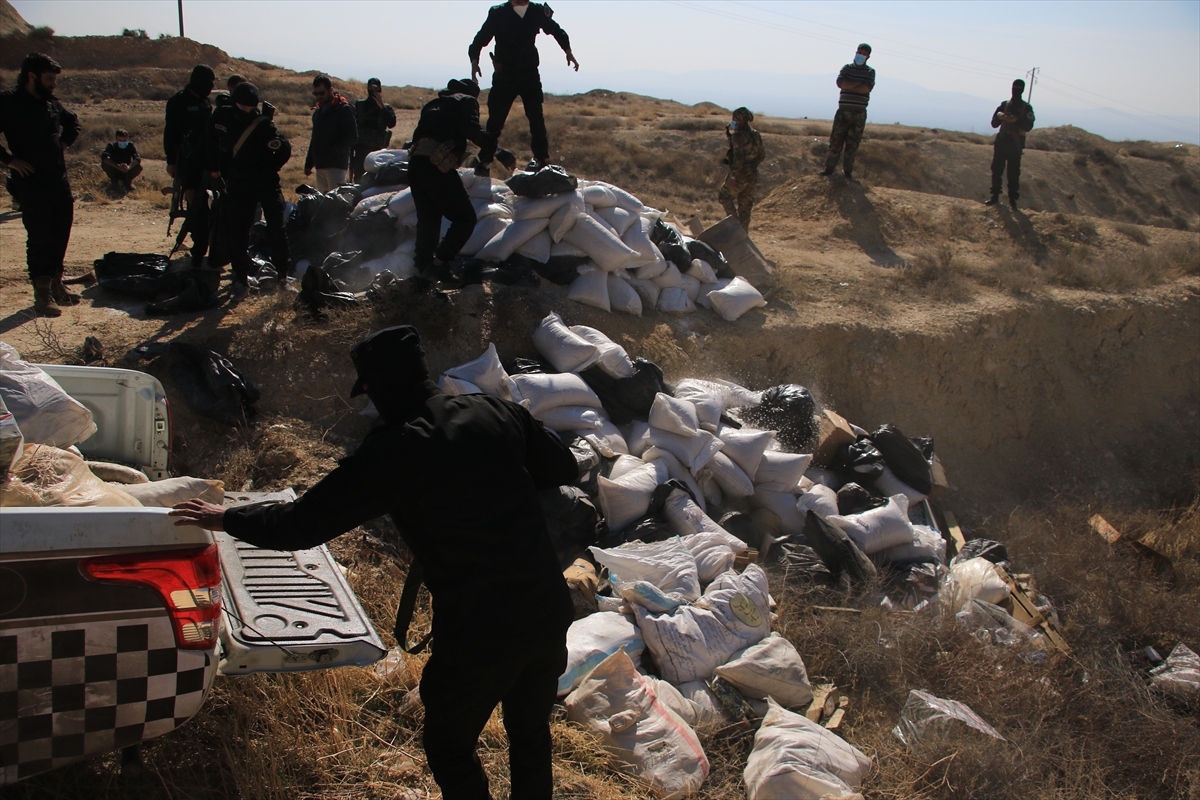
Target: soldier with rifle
column 187, row 117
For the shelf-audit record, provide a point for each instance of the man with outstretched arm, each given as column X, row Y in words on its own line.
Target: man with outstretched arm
column 459, row 476
column 515, row 26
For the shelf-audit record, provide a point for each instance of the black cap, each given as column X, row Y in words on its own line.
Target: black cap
column 463, row 86
column 864, row 46
column 374, row 82
column 245, row 94
column 203, row 76
column 392, row 357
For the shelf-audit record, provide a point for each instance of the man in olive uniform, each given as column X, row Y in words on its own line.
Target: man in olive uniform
column 187, row 116
column 38, row 131
column 856, row 82
column 1014, row 117
column 452, row 118
column 414, row 467
column 515, row 26
column 375, row 121
column 743, row 157
column 244, row 149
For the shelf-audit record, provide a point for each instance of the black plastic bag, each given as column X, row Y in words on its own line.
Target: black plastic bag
column 799, row 563
column 982, row 548
column 572, row 521
column 670, row 243
column 525, row 366
column 316, row 223
column 853, row 499
column 627, row 399
column 561, row 270
column 209, row 382
column 120, row 265
column 745, row 528
column 837, row 550
column 394, row 173
column 348, row 193
column 588, row 460
column 515, row 269
column 181, row 292
column 318, row 292
column 374, row 233
column 791, row 410
column 904, row 457
column 546, row 181
column 859, row 459
column 700, row 250
column 347, row 272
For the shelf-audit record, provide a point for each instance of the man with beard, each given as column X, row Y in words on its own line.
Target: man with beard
column 187, row 116
column 38, row 131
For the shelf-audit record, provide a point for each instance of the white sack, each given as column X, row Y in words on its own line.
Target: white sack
column 667, row 565
column 781, row 471
column 746, row 448
column 398, row 262
column 820, row 499
column 622, row 296
column 713, row 554
column 537, row 248
column 690, row 642
column 702, row 271
column 605, row 249
column 709, row 404
column 690, row 286
column 620, row 706
column 565, row 249
column 673, row 415
column 542, row 392
column 623, row 465
column 613, row 359
column 783, row 506
column 637, row 238
column 729, row 476
column 173, row 491
column 566, row 350
column 596, row 194
column 878, row 528
column 402, row 204
column 607, row 440
column 377, row 159
column 379, row 197
column 973, row 579
column 44, row 412
column 505, row 243
column 709, row 711
column 927, row 545
column 626, row 499
column 619, row 219
column 486, row 372
column 706, row 289
column 566, row 419
column 484, row 207
column 541, row 207
column 771, row 668
column 590, row 288
column 647, row 290
column 693, row 451
column 669, row 277
column 624, row 199
column 565, row 218
column 795, row 758
column 485, row 230
column 594, row 638
column 673, row 300
column 678, row 472
column 673, row 699
column 453, row 386
column 887, row 484
column 736, row 299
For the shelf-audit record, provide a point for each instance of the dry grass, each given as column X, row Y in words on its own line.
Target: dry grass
column 937, row 272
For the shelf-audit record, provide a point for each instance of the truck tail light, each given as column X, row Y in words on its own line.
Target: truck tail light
column 189, row 582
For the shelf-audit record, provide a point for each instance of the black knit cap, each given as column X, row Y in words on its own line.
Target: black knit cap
column 463, row 86
column 391, row 358
column 374, row 82
column 203, row 77
column 245, row 94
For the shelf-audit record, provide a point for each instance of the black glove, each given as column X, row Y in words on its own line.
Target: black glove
column 268, row 110
column 483, row 170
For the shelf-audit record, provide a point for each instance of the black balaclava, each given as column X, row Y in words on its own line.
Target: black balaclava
column 203, row 80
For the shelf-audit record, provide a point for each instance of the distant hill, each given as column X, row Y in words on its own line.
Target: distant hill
column 11, row 20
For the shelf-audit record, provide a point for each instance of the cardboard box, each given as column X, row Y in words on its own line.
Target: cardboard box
column 729, row 239
column 833, row 433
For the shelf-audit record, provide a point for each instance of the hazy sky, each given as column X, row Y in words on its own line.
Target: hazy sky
column 1141, row 59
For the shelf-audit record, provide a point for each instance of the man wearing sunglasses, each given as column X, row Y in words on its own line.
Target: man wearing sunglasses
column 334, row 134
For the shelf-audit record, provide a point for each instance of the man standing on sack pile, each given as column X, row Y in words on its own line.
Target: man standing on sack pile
column 375, row 120
column 187, row 116
column 743, row 157
column 459, row 476
column 856, row 82
column 515, row 26
column 246, row 152
column 334, row 134
column 1014, row 117
column 38, row 131
column 439, row 143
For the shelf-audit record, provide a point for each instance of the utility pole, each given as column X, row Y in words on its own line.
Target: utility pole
column 180, row 19
column 1032, row 74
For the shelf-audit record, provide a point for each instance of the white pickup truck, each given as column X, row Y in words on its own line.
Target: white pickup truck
column 114, row 622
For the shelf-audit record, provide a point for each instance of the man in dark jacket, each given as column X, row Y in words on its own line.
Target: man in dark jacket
column 515, row 26
column 38, row 130
column 459, row 476
column 856, row 82
column 120, row 160
column 334, row 134
column 440, row 139
column 1014, row 117
column 375, row 120
column 246, row 152
column 187, row 116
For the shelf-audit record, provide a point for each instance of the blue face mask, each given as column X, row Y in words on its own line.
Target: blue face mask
column 859, row 59
column 122, row 145
column 733, row 126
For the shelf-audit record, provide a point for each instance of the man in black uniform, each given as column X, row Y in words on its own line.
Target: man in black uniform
column 515, row 26
column 38, row 130
column 375, row 121
column 1014, row 117
column 187, row 116
column 244, row 149
column 415, row 467
column 439, row 143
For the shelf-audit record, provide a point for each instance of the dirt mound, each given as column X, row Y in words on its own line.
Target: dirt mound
column 110, row 52
column 11, row 21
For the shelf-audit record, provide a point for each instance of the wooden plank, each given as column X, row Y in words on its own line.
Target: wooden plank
column 837, row 609
column 956, row 534
column 1108, row 532
column 825, row 702
column 1024, row 610
column 835, row 720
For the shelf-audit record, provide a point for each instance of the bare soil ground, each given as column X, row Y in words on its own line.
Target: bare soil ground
column 1053, row 354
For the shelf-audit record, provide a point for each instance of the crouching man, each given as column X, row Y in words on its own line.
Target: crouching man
column 459, row 476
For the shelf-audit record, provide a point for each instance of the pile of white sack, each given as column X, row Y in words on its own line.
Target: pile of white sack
column 625, row 270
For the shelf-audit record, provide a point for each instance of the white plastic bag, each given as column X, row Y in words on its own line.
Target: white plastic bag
column 594, row 638
column 926, row 719
column 878, row 528
column 736, row 299
column 565, row 349
column 486, row 372
column 973, row 579
column 1179, row 675
column 590, row 288
column 613, row 359
column 620, row 705
column 794, row 758
column 44, row 412
column 770, row 668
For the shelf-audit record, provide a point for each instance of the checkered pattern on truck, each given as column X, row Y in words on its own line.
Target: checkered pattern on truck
column 86, row 668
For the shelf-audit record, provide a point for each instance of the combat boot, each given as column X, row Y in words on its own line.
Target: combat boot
column 43, row 298
column 994, row 200
column 825, row 173
column 60, row 294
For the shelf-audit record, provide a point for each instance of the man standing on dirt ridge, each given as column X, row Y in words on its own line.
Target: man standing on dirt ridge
column 856, row 82
column 1014, row 117
column 460, row 476
column 187, row 116
column 334, row 134
column 743, row 157
column 515, row 26
column 38, row 131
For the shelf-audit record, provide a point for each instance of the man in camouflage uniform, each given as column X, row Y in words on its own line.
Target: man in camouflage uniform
column 856, row 82
column 743, row 157
column 1014, row 117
